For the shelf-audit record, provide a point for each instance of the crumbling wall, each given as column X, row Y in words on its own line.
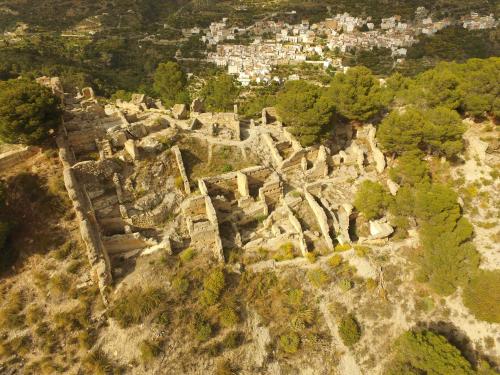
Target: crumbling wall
column 122, row 243
column 182, row 170
column 89, row 229
column 11, row 158
column 321, row 218
column 202, row 224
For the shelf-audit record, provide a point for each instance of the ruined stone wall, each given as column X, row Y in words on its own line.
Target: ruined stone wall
column 225, row 119
column 89, row 228
column 321, row 218
column 121, row 243
column 223, row 184
column 11, row 158
column 182, row 170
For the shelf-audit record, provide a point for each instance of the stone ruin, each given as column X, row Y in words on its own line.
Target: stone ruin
column 130, row 188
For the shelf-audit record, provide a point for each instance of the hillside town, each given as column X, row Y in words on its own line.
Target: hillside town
column 279, row 43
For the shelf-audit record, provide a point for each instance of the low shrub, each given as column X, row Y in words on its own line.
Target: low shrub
column 97, row 363
column 285, row 252
column 362, row 251
column 345, row 285
column 317, row 277
column 149, row 351
column 335, row 260
column 213, row 285
column 186, row 255
column 10, row 314
column 289, row 342
column 349, row 330
column 228, row 317
column 340, row 248
column 203, row 329
column 135, row 304
column 233, row 339
column 311, row 257
column 180, row 285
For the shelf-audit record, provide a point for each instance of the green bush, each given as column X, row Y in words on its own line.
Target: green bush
column 482, row 296
column 349, row 330
column 371, row 199
column 228, row 317
column 285, row 252
column 213, row 285
column 289, row 342
column 335, row 260
column 345, row 285
column 187, row 254
column 180, row 285
column 317, row 277
column 427, row 353
column 135, row 304
column 202, row 329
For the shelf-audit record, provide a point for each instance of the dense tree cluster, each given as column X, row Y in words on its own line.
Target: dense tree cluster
column 303, row 107
column 471, row 87
column 309, row 109
column 438, row 131
column 426, row 352
column 220, row 93
column 170, row 83
column 357, row 95
column 28, row 111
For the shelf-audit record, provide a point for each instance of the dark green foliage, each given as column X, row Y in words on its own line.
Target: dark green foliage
column 410, row 169
column 371, row 199
column 349, row 330
column 357, row 94
column 438, row 131
column 454, row 43
column 27, row 112
column 448, row 256
column 401, row 131
column 482, row 295
column 220, row 93
column 378, row 60
column 427, row 353
column 134, row 305
column 442, row 133
column 471, row 87
column 438, row 87
column 303, row 108
column 169, row 83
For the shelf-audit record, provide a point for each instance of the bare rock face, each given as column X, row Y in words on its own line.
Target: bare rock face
column 180, row 111
column 393, row 187
column 379, row 158
column 379, row 230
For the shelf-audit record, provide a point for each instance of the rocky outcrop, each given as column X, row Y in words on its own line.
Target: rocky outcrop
column 379, row 230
